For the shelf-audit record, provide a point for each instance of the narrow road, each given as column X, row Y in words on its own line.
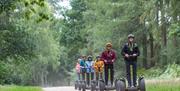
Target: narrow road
column 71, row 88
column 59, row 89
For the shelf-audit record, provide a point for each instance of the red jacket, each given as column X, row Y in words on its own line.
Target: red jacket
column 109, row 56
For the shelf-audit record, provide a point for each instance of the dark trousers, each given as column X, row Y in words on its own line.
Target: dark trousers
column 83, row 72
column 79, row 76
column 98, row 75
column 128, row 71
column 83, row 76
column 108, row 67
column 88, row 77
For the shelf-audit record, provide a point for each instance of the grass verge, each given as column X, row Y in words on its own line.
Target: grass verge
column 19, row 88
column 163, row 85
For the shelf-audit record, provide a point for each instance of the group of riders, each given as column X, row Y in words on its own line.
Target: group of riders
column 86, row 67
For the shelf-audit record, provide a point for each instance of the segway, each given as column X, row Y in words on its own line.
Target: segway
column 93, row 85
column 139, row 87
column 82, row 86
column 76, row 85
column 102, row 87
column 97, row 84
column 85, row 86
column 121, row 85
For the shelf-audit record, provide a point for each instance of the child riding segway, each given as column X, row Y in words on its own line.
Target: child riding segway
column 82, row 84
column 99, row 67
column 77, row 67
column 89, row 70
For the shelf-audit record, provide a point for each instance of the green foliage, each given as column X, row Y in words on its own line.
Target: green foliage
column 174, row 30
column 163, row 87
column 37, row 48
column 19, row 88
column 28, row 45
column 167, row 72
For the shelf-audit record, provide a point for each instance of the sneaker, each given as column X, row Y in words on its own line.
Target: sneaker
column 129, row 86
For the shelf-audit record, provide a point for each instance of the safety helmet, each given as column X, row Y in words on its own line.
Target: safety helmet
column 108, row 44
column 89, row 58
column 83, row 56
column 98, row 56
column 130, row 36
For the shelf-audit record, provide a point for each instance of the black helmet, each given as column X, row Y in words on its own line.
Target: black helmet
column 89, row 58
column 130, row 36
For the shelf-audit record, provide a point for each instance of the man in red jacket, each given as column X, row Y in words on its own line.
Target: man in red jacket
column 109, row 56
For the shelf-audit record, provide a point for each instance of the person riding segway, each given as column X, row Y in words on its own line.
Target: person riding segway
column 89, row 70
column 130, row 53
column 109, row 57
column 98, row 66
column 78, row 69
column 83, row 67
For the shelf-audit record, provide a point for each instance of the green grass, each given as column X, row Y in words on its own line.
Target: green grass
column 163, row 87
column 19, row 88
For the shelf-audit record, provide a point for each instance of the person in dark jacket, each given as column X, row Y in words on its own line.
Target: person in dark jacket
column 130, row 53
column 83, row 66
column 109, row 57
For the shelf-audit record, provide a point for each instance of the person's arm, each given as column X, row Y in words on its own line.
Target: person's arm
column 114, row 56
column 77, row 67
column 103, row 57
column 102, row 64
column 123, row 51
column 137, row 51
column 95, row 66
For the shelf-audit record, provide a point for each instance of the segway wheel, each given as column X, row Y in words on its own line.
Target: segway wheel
column 142, row 84
column 79, row 86
column 84, row 86
column 120, row 85
column 101, row 86
column 76, row 85
column 93, row 86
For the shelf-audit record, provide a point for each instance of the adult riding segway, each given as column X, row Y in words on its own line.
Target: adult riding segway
column 141, row 81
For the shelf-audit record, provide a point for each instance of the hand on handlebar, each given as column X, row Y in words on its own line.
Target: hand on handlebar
column 126, row 55
column 105, row 61
column 83, row 67
column 134, row 55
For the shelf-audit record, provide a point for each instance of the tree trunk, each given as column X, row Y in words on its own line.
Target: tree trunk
column 152, row 50
column 157, row 46
column 163, row 31
column 175, row 36
column 145, row 47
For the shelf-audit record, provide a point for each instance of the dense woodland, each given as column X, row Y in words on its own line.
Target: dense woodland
column 39, row 48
